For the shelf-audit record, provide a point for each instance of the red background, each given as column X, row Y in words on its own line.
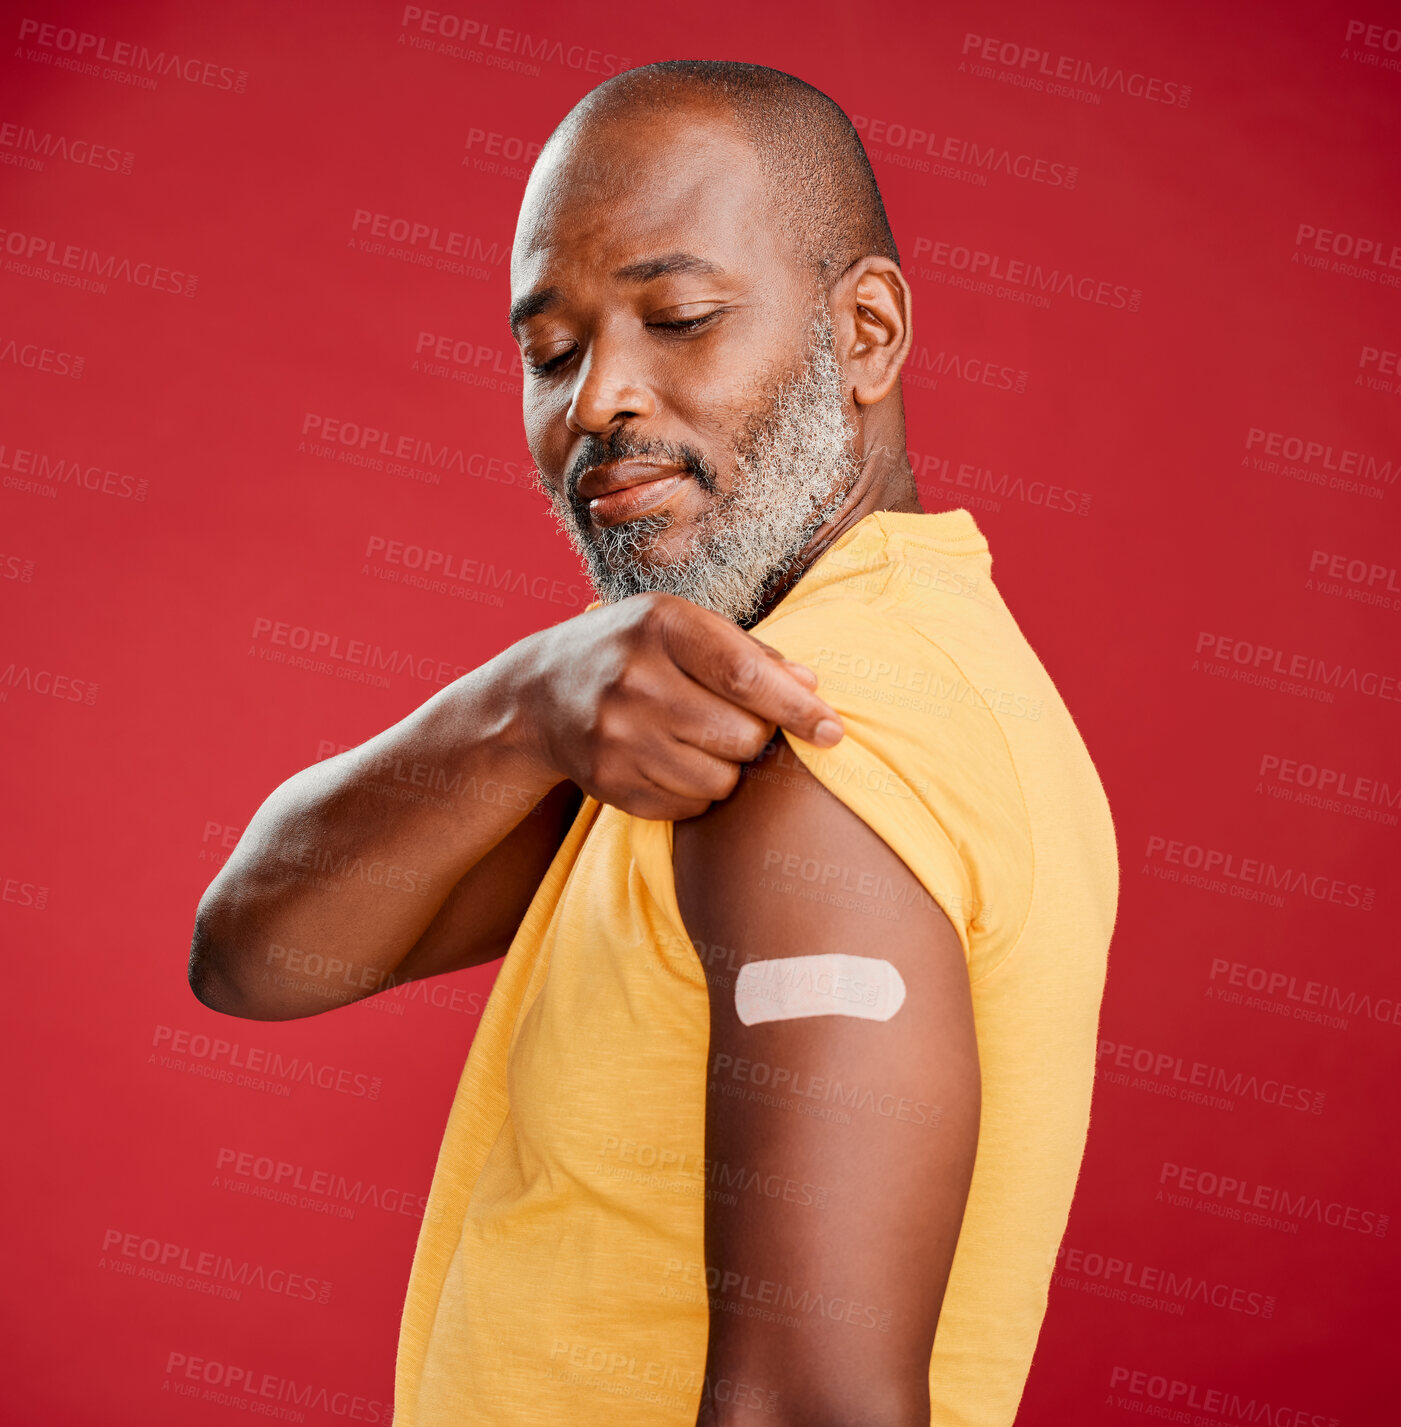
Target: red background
column 166, row 723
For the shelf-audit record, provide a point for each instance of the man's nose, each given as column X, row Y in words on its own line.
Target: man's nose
column 607, row 391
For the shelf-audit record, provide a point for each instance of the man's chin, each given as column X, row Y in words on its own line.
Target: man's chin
column 639, row 551
column 618, row 582
column 726, row 592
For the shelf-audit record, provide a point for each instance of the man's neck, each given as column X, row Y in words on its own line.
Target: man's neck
column 885, row 483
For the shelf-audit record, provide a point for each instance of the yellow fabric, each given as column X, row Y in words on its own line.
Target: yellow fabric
column 557, row 1277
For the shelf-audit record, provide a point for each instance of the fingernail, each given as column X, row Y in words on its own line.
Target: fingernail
column 828, row 732
column 802, row 672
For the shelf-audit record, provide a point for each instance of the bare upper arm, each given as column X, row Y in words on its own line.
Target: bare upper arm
column 480, row 916
column 840, row 1149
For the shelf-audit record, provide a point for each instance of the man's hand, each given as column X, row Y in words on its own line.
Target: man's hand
column 654, row 704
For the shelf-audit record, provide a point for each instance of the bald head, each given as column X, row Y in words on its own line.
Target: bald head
column 816, row 170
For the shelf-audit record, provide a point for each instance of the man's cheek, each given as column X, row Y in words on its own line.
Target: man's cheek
column 549, row 444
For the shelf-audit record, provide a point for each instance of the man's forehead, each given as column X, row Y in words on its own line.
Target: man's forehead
column 618, row 198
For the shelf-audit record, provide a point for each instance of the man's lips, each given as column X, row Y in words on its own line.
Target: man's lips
column 623, row 490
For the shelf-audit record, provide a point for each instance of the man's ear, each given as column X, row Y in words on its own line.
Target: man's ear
column 871, row 323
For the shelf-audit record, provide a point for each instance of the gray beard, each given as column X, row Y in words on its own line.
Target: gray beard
column 794, row 470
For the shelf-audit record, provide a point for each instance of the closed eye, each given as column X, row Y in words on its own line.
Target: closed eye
column 682, row 328
column 687, row 324
column 541, row 369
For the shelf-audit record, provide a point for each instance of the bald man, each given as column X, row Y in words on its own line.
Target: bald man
column 803, row 877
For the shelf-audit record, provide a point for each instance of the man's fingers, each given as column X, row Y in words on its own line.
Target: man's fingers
column 685, row 773
column 800, row 672
column 706, row 721
column 656, row 805
column 733, row 664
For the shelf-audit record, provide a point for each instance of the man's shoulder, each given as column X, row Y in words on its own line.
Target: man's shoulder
column 924, row 760
column 903, row 634
column 898, row 668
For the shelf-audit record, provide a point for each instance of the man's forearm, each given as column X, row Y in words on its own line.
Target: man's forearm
column 347, row 866
column 416, row 853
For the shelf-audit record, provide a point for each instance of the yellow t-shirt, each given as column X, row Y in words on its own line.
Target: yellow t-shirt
column 559, row 1272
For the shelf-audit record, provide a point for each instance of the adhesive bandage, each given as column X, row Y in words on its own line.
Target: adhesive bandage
column 835, row 984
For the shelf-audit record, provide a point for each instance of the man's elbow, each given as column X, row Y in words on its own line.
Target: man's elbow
column 213, row 976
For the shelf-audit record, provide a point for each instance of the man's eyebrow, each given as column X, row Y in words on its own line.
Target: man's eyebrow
column 532, row 305
column 644, row 270
column 648, row 268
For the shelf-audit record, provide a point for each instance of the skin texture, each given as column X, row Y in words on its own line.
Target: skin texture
column 656, row 706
